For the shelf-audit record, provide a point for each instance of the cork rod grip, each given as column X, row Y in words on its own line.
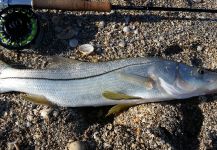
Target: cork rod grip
column 72, row 5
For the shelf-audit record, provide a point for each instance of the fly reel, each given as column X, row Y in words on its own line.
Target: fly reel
column 18, row 27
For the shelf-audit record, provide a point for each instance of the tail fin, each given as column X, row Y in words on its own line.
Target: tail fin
column 3, row 65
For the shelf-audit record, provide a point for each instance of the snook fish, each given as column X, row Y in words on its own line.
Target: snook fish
column 128, row 81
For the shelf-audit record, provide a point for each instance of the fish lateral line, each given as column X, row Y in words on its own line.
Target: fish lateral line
column 67, row 79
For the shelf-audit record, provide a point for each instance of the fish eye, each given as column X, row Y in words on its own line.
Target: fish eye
column 201, row 71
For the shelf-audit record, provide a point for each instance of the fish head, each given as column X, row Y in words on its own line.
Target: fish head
column 196, row 81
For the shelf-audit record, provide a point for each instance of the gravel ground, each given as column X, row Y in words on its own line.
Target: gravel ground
column 184, row 37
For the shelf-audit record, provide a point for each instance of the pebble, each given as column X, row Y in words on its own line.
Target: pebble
column 77, row 145
column 28, row 124
column 29, row 117
column 101, row 24
column 199, row 48
column 136, row 31
column 126, row 29
column 55, row 113
column 122, row 43
column 109, row 127
column 73, row 43
column 86, row 49
column 106, row 145
column 44, row 113
column 197, row 1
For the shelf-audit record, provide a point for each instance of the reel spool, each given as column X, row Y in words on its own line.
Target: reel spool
column 18, row 27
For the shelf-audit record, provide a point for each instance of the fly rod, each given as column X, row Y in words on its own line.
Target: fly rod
column 19, row 24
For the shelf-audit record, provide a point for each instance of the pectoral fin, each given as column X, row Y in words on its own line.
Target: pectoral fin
column 147, row 82
column 37, row 99
column 118, row 96
column 118, row 109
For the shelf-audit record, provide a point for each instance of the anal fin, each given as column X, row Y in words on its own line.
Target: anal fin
column 37, row 99
column 115, row 110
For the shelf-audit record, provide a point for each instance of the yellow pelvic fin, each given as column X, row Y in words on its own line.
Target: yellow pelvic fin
column 115, row 110
column 147, row 82
column 117, row 96
column 37, row 99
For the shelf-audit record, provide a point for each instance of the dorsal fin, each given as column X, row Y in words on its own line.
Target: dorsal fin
column 57, row 62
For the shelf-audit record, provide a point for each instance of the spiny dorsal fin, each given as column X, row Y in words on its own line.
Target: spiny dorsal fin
column 37, row 99
column 115, row 110
column 56, row 62
column 117, row 96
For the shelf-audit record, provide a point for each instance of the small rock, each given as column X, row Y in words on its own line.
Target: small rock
column 109, row 127
column 95, row 136
column 86, row 49
column 126, row 29
column 197, row 1
column 136, row 31
column 106, row 145
column 122, row 43
column 112, row 11
column 101, row 24
column 55, row 113
column 199, row 48
column 28, row 124
column 5, row 114
column 77, row 145
column 73, row 43
column 29, row 117
column 44, row 113
column 133, row 27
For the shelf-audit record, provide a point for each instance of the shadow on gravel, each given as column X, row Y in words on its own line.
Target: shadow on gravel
column 186, row 134
column 87, row 29
column 173, row 49
column 96, row 115
column 213, row 137
column 4, row 107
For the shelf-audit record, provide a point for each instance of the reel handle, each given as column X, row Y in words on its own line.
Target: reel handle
column 72, row 5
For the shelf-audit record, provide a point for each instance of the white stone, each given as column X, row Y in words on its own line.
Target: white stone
column 126, row 29
column 86, row 49
column 77, row 145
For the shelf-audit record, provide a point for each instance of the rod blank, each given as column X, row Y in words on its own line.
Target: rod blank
column 117, row 7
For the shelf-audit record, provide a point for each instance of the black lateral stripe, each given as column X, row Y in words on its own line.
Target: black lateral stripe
column 35, row 78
